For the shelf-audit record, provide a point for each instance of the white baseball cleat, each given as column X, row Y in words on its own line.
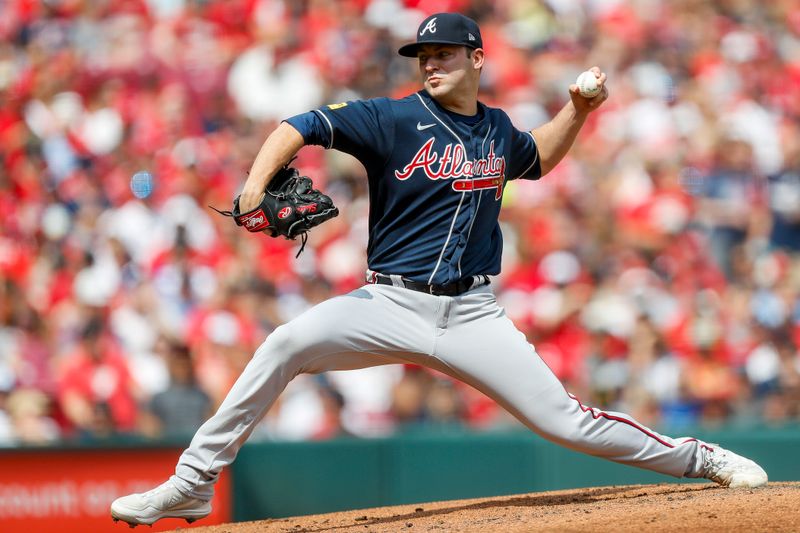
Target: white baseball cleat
column 164, row 501
column 732, row 470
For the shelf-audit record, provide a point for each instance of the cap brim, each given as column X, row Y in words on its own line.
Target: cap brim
column 410, row 50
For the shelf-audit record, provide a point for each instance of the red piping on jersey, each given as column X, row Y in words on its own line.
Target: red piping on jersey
column 605, row 415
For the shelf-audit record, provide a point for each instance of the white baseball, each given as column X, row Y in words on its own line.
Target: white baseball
column 587, row 84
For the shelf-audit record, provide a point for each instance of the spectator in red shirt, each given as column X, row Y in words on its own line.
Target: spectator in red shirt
column 96, row 391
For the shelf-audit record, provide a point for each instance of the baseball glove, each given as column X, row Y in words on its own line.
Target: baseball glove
column 289, row 207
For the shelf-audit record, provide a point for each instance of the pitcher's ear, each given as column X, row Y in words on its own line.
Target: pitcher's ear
column 477, row 58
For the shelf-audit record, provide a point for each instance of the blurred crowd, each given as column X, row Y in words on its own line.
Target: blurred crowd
column 656, row 269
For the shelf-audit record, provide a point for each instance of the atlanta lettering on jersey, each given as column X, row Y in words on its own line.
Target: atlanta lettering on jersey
column 453, row 164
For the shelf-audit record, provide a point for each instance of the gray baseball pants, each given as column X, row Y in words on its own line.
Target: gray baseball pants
column 468, row 337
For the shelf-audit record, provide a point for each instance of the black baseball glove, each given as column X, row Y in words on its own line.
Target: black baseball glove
column 289, row 207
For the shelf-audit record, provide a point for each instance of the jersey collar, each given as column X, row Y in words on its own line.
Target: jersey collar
column 449, row 114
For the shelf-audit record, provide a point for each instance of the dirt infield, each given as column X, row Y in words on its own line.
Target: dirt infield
column 681, row 507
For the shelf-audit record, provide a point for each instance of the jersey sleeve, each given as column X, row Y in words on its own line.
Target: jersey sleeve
column 362, row 128
column 525, row 164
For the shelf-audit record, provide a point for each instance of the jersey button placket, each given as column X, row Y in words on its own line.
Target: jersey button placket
column 475, row 196
column 467, row 213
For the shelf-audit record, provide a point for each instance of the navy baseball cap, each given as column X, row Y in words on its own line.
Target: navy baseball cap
column 445, row 28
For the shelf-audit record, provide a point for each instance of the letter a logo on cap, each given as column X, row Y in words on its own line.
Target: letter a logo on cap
column 430, row 26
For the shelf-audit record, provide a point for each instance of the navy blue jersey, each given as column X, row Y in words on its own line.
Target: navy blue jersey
column 435, row 180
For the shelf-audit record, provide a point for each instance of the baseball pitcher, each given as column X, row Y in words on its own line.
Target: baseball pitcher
column 437, row 162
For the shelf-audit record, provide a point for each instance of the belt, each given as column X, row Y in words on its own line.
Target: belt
column 446, row 289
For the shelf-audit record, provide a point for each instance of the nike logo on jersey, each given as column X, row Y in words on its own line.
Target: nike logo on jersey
column 422, row 127
column 452, row 163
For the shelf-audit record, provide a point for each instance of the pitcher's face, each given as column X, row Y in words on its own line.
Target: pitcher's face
column 448, row 69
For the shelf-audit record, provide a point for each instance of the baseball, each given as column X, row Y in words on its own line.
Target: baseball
column 587, row 84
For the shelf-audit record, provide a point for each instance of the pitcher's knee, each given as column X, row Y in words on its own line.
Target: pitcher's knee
column 280, row 346
column 563, row 423
column 290, row 347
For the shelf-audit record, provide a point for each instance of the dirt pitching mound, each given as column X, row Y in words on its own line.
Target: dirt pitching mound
column 668, row 507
